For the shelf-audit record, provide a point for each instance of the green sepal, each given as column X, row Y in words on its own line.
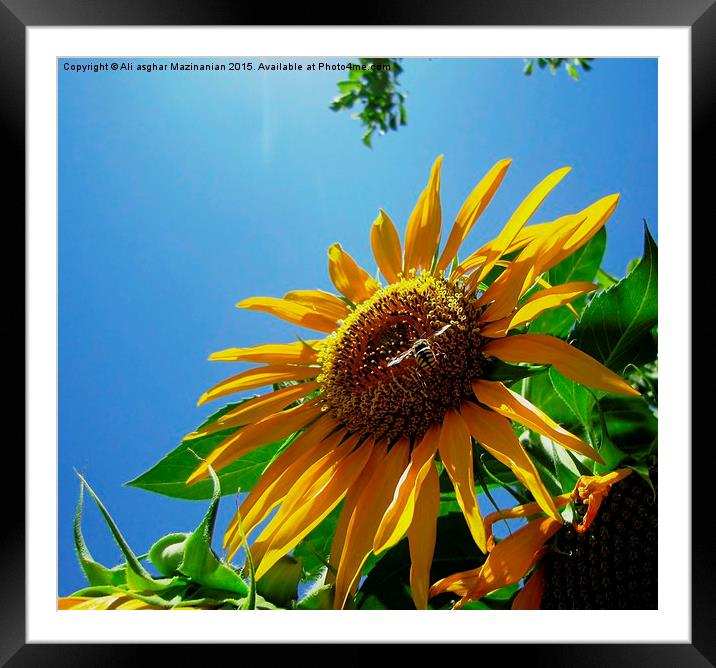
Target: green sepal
column 200, row 564
column 96, row 573
column 137, row 577
column 320, row 598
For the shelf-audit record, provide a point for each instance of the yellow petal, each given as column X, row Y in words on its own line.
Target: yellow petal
column 530, row 596
column 269, row 430
column 596, row 215
column 518, row 219
column 256, row 409
column 300, row 352
column 291, row 311
column 362, row 519
column 471, row 210
column 258, row 377
column 421, row 538
column 514, row 406
column 568, row 360
column 497, row 437
column 321, row 302
column 455, row 449
column 540, row 302
column 399, row 514
column 423, row 231
column 508, row 562
column 385, row 242
column 279, row 478
column 310, row 513
column 349, row 508
column 352, row 281
column 506, row 290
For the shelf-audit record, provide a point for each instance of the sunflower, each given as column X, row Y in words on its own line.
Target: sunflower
column 599, row 561
column 402, row 381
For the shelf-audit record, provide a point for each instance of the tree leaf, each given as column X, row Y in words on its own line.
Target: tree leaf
column 615, row 328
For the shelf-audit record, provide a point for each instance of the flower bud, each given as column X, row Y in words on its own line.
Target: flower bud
column 168, row 552
column 280, row 583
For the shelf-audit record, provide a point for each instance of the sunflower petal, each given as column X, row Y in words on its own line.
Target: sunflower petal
column 278, row 479
column 258, row 377
column 471, row 210
column 456, row 454
column 363, row 521
column 385, row 242
column 421, row 538
column 423, row 232
column 540, row 302
column 351, row 280
column 497, row 437
column 256, row 409
column 312, row 511
column 508, row 562
column 399, row 514
column 269, row 430
column 568, row 360
column 507, row 289
column 515, row 407
column 291, row 311
column 530, row 596
column 299, row 352
column 519, row 218
column 322, row 302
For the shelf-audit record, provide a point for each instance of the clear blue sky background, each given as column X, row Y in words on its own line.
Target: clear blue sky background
column 182, row 193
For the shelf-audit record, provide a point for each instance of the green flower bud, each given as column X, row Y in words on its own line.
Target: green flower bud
column 168, row 553
column 280, row 583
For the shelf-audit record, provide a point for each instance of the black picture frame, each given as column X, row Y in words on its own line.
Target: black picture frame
column 699, row 15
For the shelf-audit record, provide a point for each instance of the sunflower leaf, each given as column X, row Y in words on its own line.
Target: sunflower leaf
column 616, row 327
column 168, row 476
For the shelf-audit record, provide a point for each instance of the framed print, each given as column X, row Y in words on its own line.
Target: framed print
column 450, row 426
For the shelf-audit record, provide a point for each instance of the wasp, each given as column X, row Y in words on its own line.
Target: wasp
column 422, row 350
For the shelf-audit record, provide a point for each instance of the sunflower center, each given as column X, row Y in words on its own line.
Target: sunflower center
column 402, row 359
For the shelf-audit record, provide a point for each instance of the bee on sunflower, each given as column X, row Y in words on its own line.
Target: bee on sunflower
column 402, row 381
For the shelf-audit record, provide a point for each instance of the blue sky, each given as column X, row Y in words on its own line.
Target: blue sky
column 181, row 193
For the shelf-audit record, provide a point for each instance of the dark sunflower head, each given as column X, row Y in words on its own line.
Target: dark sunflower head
column 613, row 565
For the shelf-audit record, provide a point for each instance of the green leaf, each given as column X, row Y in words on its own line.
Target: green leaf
column 200, row 563
column 578, row 399
column 387, row 586
column 605, row 279
column 631, row 431
column 615, row 328
column 572, row 70
column 347, row 86
column 96, row 573
column 583, row 265
column 169, row 474
column 318, row 599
